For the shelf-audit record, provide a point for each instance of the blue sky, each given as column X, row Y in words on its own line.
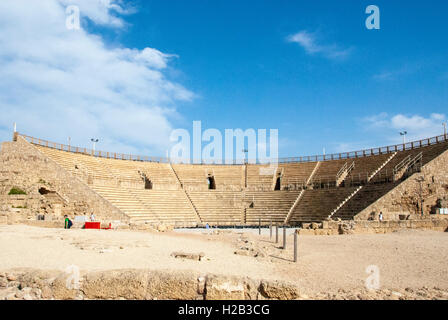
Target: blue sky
column 232, row 64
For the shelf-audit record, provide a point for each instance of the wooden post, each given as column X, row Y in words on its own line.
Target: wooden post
column 295, row 245
column 259, row 226
column 270, row 231
column 284, row 238
column 276, row 234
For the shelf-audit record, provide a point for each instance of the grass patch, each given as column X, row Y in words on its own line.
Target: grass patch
column 16, row 191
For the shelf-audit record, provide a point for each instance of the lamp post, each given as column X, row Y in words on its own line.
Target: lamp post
column 94, row 142
column 403, row 134
column 444, row 129
column 245, row 155
column 420, row 180
column 14, row 134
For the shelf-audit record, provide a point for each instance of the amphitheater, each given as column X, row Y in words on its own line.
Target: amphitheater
column 314, row 195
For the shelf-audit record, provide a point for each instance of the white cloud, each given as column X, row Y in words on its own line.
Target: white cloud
column 308, row 41
column 417, row 126
column 56, row 82
column 395, row 73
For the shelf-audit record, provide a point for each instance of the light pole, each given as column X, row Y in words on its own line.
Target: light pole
column 420, row 180
column 94, row 142
column 245, row 155
column 444, row 129
column 14, row 134
column 403, row 134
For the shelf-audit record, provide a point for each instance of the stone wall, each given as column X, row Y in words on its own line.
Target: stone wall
column 25, row 167
column 434, row 222
column 404, row 200
column 137, row 285
column 31, row 284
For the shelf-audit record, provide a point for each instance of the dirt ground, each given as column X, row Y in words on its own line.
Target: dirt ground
column 406, row 260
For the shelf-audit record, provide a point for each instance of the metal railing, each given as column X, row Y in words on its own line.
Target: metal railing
column 403, row 163
column 328, row 157
column 345, row 168
column 408, row 163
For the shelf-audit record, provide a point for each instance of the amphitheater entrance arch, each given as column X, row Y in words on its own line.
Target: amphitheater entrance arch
column 278, row 183
column 148, row 184
column 211, row 182
column 146, row 180
column 43, row 191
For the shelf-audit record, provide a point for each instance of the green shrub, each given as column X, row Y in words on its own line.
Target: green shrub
column 16, row 191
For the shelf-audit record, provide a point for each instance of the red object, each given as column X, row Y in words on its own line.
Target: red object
column 108, row 228
column 92, row 225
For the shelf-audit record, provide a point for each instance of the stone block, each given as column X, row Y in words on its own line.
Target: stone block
column 279, row 290
column 191, row 256
column 224, row 288
column 128, row 284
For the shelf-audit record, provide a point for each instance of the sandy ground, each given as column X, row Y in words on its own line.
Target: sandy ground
column 406, row 259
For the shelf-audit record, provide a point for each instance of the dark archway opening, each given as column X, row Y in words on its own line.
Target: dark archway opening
column 148, row 184
column 278, row 183
column 211, row 183
column 43, row 191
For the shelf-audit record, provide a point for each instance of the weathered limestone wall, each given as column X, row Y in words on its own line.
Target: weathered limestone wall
column 137, row 285
column 404, row 199
column 23, row 166
column 15, row 208
column 31, row 284
column 434, row 222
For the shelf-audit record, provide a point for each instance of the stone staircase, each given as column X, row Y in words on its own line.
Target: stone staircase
column 291, row 210
column 344, row 202
column 313, row 173
column 381, row 167
column 268, row 206
column 316, row 204
column 187, row 196
column 218, row 207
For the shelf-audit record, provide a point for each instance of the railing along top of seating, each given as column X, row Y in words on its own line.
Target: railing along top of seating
column 326, row 157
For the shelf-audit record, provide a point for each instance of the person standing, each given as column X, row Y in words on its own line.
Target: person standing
column 92, row 217
column 380, row 217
